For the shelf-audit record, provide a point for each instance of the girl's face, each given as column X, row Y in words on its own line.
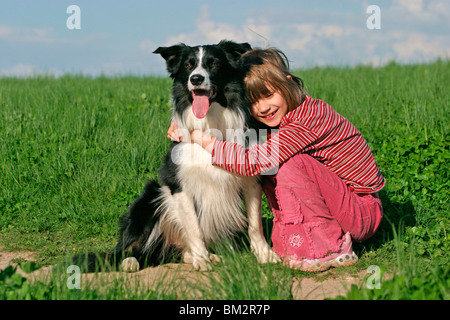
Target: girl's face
column 270, row 109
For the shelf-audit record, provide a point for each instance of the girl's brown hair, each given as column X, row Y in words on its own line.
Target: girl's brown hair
column 268, row 69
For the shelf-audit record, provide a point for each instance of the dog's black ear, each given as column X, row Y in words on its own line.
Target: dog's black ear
column 234, row 51
column 172, row 55
column 249, row 61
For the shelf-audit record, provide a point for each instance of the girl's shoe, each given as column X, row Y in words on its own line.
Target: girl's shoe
column 345, row 257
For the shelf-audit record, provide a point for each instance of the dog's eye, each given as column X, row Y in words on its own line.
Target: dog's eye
column 212, row 63
column 188, row 66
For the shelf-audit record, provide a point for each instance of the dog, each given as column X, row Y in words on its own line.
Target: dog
column 195, row 203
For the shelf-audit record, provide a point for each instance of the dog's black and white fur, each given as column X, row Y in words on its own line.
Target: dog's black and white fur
column 197, row 203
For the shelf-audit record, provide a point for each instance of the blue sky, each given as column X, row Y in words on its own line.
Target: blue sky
column 118, row 37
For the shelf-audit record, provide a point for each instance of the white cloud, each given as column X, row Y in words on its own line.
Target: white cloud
column 208, row 31
column 45, row 36
column 23, row 70
column 20, row 70
column 19, row 34
column 147, row 46
column 421, row 46
column 412, row 5
column 411, row 31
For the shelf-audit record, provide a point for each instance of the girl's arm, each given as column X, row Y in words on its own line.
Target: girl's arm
column 261, row 158
column 233, row 157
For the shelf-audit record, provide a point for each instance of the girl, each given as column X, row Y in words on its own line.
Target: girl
column 324, row 191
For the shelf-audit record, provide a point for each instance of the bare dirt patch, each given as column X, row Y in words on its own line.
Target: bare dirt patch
column 11, row 258
column 336, row 284
column 182, row 275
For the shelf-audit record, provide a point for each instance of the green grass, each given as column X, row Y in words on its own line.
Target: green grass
column 74, row 151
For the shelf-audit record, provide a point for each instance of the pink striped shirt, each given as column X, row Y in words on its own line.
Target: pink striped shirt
column 314, row 128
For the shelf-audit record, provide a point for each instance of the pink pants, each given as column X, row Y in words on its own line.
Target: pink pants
column 313, row 209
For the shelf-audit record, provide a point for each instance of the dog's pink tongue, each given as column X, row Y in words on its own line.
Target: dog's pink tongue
column 200, row 105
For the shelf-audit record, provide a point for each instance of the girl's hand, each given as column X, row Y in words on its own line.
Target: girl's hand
column 197, row 136
column 204, row 139
column 173, row 133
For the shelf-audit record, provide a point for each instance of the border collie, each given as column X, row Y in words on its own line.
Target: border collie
column 196, row 203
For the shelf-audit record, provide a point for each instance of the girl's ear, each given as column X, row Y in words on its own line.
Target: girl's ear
column 289, row 76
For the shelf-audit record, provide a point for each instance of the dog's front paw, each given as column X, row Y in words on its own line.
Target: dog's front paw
column 215, row 258
column 273, row 257
column 201, row 264
column 187, row 257
column 130, row 265
column 266, row 255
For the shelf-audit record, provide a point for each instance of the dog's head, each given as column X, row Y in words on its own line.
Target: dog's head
column 204, row 74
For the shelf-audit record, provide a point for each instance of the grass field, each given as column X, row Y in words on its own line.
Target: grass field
column 75, row 151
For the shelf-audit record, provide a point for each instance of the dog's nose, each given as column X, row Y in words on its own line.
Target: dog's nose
column 197, row 79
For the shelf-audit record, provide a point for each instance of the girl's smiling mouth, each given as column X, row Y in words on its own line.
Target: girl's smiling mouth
column 270, row 116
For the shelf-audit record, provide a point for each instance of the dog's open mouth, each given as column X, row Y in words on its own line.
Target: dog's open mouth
column 201, row 101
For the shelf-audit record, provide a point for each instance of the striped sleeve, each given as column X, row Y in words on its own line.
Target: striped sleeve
column 314, row 128
column 282, row 145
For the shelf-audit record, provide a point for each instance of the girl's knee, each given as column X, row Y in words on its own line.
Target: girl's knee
column 292, row 169
column 369, row 224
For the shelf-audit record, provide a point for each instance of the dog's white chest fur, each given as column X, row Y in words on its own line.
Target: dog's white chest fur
column 216, row 192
